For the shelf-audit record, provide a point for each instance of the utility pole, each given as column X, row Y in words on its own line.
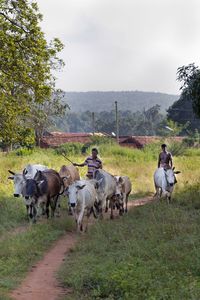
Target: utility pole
column 93, row 123
column 117, row 122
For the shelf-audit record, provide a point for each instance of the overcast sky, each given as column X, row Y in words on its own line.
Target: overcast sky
column 123, row 44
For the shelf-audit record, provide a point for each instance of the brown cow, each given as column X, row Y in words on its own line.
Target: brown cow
column 69, row 174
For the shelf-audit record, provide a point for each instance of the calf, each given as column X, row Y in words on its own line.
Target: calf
column 123, row 189
column 82, row 197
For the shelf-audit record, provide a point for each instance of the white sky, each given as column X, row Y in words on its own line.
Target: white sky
column 123, row 44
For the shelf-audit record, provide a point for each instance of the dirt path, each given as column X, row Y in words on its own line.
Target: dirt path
column 41, row 283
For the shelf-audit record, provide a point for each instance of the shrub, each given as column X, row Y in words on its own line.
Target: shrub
column 177, row 148
column 69, row 149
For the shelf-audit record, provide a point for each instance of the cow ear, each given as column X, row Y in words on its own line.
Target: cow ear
column 11, row 177
column 25, row 171
column 121, row 180
column 80, row 187
column 177, row 172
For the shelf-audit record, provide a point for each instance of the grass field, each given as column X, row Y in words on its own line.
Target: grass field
column 21, row 244
column 151, row 253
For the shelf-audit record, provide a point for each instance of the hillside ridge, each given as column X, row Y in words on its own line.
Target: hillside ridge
column 127, row 100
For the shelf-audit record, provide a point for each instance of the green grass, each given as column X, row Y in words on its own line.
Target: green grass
column 152, row 253
column 109, row 249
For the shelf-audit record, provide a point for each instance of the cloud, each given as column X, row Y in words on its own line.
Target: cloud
column 123, row 44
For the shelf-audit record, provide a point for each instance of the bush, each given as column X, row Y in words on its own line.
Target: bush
column 177, row 148
column 69, row 149
column 24, row 152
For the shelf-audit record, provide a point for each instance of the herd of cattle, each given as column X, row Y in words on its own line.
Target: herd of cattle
column 42, row 188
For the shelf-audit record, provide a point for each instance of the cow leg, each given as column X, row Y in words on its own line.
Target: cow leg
column 27, row 211
column 47, row 210
column 58, row 210
column 80, row 217
column 168, row 199
column 106, row 209
column 34, row 214
column 53, row 205
column 126, row 203
column 94, row 212
column 89, row 211
column 111, row 206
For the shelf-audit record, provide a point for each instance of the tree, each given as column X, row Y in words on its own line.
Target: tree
column 182, row 112
column 26, row 61
column 190, row 78
column 42, row 114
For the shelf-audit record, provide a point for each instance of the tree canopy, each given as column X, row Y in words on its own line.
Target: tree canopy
column 189, row 76
column 26, row 61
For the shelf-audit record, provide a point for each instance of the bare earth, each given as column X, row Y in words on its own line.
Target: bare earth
column 41, row 282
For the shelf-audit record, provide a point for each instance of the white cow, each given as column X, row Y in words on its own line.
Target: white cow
column 164, row 180
column 82, row 196
column 28, row 173
column 106, row 189
column 123, row 190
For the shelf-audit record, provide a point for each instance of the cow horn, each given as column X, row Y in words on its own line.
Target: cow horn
column 80, row 187
column 25, row 171
column 11, row 172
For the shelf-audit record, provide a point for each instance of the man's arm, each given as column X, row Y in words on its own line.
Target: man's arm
column 159, row 161
column 170, row 161
column 79, row 165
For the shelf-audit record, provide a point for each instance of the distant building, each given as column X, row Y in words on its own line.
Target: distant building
column 56, row 138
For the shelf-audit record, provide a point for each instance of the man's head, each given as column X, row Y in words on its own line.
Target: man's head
column 164, row 147
column 94, row 153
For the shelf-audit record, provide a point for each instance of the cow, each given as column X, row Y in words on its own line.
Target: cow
column 106, row 190
column 44, row 190
column 82, row 196
column 123, row 189
column 164, row 181
column 28, row 173
column 69, row 174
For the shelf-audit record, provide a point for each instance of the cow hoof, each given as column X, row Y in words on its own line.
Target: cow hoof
column 81, row 227
column 126, row 210
column 106, row 210
column 121, row 213
column 111, row 217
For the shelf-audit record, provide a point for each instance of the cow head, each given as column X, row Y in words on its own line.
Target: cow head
column 19, row 182
column 119, row 186
column 169, row 175
column 72, row 192
column 30, row 189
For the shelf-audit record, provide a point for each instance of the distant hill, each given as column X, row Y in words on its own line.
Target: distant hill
column 127, row 100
